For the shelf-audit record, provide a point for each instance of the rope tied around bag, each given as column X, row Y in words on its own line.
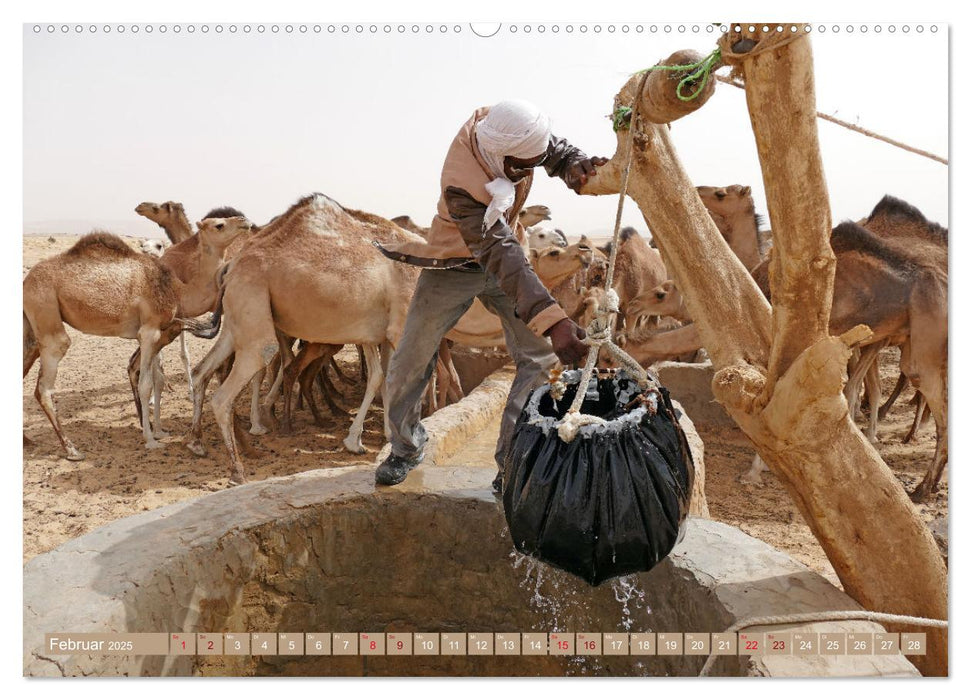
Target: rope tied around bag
column 599, row 330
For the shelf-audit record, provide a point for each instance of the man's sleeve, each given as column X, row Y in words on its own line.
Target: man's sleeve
column 560, row 155
column 500, row 255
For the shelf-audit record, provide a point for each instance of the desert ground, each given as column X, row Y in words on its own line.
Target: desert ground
column 119, row 477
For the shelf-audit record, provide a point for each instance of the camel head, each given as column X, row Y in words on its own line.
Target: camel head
column 153, row 246
column 218, row 233
column 540, row 237
column 161, row 214
column 532, row 215
column 727, row 202
column 663, row 300
column 554, row 264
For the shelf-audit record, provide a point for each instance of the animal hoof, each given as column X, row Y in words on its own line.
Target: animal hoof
column 237, row 480
column 354, row 447
column 919, row 495
column 196, row 448
column 258, row 430
column 160, row 434
column 74, row 454
column 153, row 445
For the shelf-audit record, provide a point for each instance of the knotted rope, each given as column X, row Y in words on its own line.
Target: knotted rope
column 700, row 69
column 599, row 330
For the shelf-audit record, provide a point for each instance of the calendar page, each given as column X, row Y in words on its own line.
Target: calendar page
column 514, row 349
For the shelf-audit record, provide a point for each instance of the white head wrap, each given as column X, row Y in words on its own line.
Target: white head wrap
column 512, row 128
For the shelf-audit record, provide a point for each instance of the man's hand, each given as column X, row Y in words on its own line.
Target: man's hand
column 567, row 338
column 576, row 175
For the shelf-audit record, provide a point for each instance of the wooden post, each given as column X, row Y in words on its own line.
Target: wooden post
column 779, row 374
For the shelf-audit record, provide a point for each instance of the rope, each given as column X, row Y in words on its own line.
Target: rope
column 824, row 616
column 599, row 329
column 852, row 127
column 700, row 69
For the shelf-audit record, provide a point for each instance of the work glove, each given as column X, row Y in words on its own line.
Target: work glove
column 567, row 338
column 577, row 174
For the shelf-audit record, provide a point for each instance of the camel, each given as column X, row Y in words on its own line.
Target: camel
column 153, row 246
column 638, row 268
column 311, row 273
column 534, row 214
column 540, row 237
column 480, row 328
column 408, row 224
column 170, row 216
column 100, row 286
column 732, row 209
column 185, row 261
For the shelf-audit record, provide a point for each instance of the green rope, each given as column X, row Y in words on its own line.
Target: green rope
column 702, row 69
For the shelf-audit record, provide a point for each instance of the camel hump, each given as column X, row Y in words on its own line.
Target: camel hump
column 102, row 244
column 891, row 208
column 224, row 213
column 849, row 236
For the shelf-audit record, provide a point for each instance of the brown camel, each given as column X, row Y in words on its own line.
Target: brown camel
column 170, row 216
column 311, row 273
column 408, row 224
column 102, row 287
column 638, row 269
column 732, row 209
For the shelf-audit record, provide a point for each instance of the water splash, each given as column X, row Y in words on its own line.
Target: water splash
column 627, row 593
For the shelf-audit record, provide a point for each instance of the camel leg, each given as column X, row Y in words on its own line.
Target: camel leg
column 455, row 385
column 187, row 364
column 294, row 371
column 387, row 349
column 920, row 417
column 340, row 373
column 255, row 416
column 249, row 360
column 328, row 391
column 50, row 354
column 133, row 363
column 213, row 362
column 147, row 339
column 754, row 474
column 857, row 375
column 902, row 382
column 31, row 353
column 928, row 356
column 375, row 377
column 307, row 380
column 261, row 411
column 158, row 383
column 872, row 383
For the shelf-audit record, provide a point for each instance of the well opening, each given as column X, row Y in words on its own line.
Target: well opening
column 431, row 564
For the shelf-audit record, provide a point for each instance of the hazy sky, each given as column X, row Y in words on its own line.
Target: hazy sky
column 257, row 120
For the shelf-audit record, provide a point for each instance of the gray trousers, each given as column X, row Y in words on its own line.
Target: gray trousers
column 441, row 298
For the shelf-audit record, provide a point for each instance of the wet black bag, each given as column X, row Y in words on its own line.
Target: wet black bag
column 613, row 501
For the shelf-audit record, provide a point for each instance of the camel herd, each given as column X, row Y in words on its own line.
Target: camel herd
column 314, row 277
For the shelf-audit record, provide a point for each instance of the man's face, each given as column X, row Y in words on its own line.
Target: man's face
column 518, row 168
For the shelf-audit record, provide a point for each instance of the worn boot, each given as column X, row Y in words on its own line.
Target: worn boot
column 394, row 469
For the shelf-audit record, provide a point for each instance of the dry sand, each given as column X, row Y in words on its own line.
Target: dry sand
column 63, row 499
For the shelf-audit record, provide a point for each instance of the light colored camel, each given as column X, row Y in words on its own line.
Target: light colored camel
column 311, row 273
column 185, row 261
column 638, row 269
column 732, row 209
column 100, row 286
column 534, row 214
column 153, row 246
column 540, row 237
